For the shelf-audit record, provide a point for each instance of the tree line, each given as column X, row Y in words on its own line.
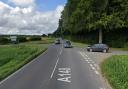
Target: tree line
column 80, row 17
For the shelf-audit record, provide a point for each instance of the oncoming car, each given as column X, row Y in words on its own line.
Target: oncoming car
column 67, row 44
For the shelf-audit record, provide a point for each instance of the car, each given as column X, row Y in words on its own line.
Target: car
column 67, row 44
column 57, row 41
column 98, row 48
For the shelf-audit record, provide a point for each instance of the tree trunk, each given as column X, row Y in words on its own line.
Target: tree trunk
column 100, row 36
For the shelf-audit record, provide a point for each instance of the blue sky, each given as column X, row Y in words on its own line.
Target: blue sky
column 49, row 4
column 44, row 5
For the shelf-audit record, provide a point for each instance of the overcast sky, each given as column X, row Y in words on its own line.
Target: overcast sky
column 30, row 17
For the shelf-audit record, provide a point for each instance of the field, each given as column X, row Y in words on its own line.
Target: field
column 13, row 57
column 115, row 69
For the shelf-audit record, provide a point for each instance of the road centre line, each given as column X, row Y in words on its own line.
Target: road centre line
column 56, row 64
column 54, row 68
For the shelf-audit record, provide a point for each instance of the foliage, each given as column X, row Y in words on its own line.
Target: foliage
column 81, row 17
column 35, row 38
column 22, row 39
column 116, row 70
column 4, row 40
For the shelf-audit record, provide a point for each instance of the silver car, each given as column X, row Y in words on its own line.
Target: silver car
column 67, row 44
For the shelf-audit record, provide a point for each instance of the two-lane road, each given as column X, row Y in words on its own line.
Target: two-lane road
column 57, row 68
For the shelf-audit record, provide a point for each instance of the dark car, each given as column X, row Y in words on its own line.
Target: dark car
column 98, row 48
column 68, row 44
column 57, row 41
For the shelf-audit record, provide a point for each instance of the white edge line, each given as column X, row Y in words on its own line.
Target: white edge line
column 22, row 68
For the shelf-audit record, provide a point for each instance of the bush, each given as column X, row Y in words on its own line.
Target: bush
column 22, row 39
column 35, row 38
column 4, row 40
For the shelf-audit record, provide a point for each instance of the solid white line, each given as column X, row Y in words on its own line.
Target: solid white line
column 22, row 68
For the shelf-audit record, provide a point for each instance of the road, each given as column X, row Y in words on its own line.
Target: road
column 57, row 68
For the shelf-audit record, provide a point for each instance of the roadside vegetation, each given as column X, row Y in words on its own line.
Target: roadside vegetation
column 14, row 56
column 85, row 20
column 80, row 45
column 115, row 69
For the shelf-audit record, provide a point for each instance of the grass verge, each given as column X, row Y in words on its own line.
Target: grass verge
column 13, row 57
column 115, row 69
column 79, row 45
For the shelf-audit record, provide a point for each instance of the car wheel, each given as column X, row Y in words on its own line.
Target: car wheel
column 90, row 50
column 105, row 51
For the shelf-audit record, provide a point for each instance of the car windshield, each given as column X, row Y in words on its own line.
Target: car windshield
column 68, row 42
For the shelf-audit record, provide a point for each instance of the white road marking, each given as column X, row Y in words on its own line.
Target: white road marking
column 96, row 72
column 92, row 67
column 61, row 51
column 89, row 61
column 97, row 66
column 65, row 79
column 64, row 74
column 56, row 64
column 102, row 88
column 54, row 68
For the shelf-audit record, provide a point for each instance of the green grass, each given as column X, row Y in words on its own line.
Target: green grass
column 123, row 49
column 13, row 57
column 116, row 71
column 80, row 45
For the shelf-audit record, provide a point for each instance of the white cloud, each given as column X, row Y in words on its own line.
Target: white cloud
column 21, row 20
column 23, row 2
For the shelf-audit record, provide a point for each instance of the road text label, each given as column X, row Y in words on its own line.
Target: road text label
column 64, row 74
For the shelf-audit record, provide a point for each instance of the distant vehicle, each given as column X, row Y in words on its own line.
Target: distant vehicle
column 98, row 48
column 57, row 41
column 67, row 44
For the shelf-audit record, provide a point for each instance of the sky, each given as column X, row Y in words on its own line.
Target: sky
column 30, row 17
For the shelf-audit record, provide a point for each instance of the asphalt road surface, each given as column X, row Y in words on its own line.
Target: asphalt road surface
column 57, row 68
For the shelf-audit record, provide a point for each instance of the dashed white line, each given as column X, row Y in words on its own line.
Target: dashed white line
column 102, row 88
column 87, row 60
column 56, row 65
column 96, row 72
column 91, row 63
column 54, row 68
column 92, row 67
